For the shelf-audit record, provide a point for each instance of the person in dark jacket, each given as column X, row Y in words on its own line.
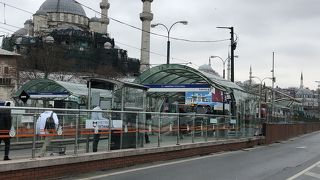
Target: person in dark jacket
column 5, row 126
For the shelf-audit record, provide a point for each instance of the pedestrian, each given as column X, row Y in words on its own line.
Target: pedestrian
column 43, row 131
column 5, row 126
column 147, row 124
column 96, row 116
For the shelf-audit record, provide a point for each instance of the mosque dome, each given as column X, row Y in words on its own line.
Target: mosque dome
column 65, row 6
column 206, row 68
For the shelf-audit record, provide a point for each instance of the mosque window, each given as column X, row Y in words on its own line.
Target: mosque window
column 50, row 17
column 76, row 18
column 69, row 18
column 53, row 17
column 73, row 18
column 6, row 70
column 5, row 81
column 61, row 16
column 65, row 17
column 57, row 17
column 81, row 20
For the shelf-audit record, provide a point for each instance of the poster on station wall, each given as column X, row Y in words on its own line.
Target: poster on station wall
column 196, row 97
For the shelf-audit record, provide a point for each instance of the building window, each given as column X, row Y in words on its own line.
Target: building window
column 65, row 17
column 73, row 19
column 6, row 70
column 5, row 81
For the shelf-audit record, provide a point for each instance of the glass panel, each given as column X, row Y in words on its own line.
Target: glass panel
column 186, row 126
column 199, row 128
column 169, row 129
column 152, row 129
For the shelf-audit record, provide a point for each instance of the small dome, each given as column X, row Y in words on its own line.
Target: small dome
column 65, row 6
column 107, row 45
column 303, row 91
column 21, row 32
column 94, row 19
column 29, row 21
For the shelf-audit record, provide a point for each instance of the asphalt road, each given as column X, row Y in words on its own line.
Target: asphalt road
column 278, row 161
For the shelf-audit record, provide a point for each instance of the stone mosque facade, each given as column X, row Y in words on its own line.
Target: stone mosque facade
column 65, row 24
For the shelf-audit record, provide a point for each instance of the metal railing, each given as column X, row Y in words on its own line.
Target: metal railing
column 121, row 130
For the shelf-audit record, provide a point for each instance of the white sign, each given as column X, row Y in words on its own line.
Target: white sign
column 213, row 121
column 90, row 124
column 233, row 121
column 27, row 119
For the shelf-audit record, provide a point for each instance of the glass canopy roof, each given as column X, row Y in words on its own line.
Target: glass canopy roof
column 181, row 74
column 54, row 89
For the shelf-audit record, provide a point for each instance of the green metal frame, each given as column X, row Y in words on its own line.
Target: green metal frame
column 177, row 74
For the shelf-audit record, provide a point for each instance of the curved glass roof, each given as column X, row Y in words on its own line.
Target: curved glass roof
column 51, row 87
column 66, row 6
column 181, row 74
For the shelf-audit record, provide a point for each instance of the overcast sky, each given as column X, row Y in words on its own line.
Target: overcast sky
column 290, row 28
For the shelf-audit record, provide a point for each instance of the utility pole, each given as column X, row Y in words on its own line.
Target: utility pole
column 233, row 47
column 273, row 91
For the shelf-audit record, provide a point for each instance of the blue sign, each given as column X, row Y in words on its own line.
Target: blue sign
column 177, row 87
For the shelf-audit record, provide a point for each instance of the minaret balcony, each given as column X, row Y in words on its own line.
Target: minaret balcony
column 146, row 16
column 104, row 5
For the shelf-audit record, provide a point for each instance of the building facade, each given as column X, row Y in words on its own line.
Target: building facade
column 8, row 74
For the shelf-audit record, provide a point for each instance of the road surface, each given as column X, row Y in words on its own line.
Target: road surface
column 295, row 159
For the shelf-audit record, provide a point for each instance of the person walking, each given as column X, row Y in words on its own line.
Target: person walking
column 42, row 131
column 96, row 137
column 5, row 126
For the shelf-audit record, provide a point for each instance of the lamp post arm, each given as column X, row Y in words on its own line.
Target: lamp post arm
column 172, row 26
column 168, row 31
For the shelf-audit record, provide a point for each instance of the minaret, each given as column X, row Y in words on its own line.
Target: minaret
column 104, row 5
column 250, row 76
column 301, row 81
column 146, row 17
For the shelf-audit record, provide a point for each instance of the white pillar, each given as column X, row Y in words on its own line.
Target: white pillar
column 104, row 5
column 146, row 17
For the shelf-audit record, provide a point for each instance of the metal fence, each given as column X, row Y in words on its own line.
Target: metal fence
column 78, row 132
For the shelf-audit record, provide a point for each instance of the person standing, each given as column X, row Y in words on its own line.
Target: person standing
column 96, row 137
column 42, row 131
column 5, row 126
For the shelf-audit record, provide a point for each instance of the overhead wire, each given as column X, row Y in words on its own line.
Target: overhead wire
column 161, row 35
column 124, row 23
column 129, row 25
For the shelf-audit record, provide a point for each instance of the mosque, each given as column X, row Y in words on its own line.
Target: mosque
column 63, row 26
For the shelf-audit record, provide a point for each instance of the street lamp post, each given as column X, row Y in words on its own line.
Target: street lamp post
column 223, row 75
column 224, row 63
column 261, row 81
column 168, row 36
